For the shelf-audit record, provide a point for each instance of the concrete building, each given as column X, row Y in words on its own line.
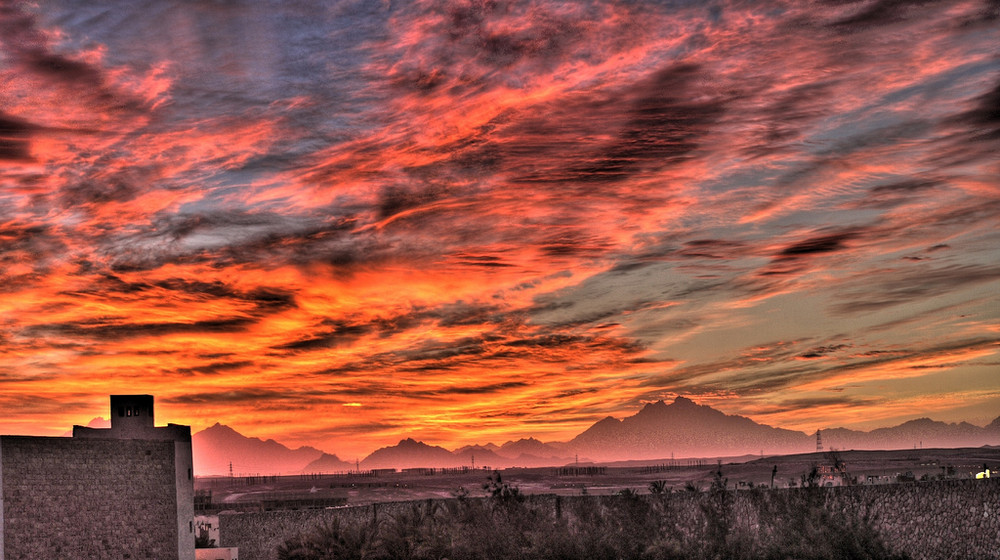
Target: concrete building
column 106, row 493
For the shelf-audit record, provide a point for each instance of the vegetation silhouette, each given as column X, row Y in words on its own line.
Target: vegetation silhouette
column 508, row 525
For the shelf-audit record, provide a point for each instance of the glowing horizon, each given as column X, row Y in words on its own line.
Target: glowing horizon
column 466, row 222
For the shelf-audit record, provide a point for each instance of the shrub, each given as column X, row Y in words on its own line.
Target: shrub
column 658, row 487
column 507, row 525
column 333, row 540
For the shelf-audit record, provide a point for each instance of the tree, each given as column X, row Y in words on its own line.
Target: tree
column 415, row 534
column 811, row 480
column 333, row 540
column 718, row 510
column 499, row 490
column 201, row 540
column 658, row 487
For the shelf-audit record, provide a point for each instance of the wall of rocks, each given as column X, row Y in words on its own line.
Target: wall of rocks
column 928, row 520
column 94, row 499
column 924, row 520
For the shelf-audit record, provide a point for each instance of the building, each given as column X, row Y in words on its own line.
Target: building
column 121, row 492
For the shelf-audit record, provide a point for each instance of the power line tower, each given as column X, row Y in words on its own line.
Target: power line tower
column 819, row 440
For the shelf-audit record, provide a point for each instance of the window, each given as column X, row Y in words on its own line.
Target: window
column 121, row 411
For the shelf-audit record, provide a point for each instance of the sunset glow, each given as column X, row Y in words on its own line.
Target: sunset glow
column 343, row 224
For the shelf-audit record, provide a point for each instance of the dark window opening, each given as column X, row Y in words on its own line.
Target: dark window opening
column 121, row 411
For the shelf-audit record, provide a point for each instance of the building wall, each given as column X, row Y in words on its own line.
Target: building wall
column 88, row 498
column 3, row 522
column 184, row 482
column 216, row 554
column 132, row 418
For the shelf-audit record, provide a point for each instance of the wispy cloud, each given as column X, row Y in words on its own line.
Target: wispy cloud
column 478, row 221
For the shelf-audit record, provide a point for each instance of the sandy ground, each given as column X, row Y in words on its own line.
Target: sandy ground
column 878, row 466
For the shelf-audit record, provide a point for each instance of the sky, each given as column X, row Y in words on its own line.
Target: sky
column 340, row 224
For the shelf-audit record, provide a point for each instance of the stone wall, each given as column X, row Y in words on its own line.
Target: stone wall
column 924, row 520
column 93, row 499
column 928, row 520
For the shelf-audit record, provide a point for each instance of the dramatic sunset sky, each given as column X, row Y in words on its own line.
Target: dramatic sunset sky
column 345, row 223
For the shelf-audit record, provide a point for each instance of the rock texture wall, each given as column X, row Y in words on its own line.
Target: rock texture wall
column 924, row 520
column 93, row 499
column 928, row 520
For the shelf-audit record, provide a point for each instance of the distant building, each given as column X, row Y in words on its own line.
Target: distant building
column 206, row 530
column 121, row 492
column 832, row 475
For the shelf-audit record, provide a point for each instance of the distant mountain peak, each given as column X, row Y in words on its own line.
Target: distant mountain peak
column 411, row 453
column 653, row 406
column 679, row 404
column 488, row 448
column 221, row 429
column 684, row 428
column 219, row 448
column 327, row 463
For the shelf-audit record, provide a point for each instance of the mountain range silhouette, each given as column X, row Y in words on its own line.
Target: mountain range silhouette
column 659, row 430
